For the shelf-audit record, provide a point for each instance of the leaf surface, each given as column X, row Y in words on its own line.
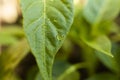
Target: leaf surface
column 46, row 24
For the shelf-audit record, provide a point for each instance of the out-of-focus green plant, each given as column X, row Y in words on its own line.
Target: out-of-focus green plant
column 94, row 31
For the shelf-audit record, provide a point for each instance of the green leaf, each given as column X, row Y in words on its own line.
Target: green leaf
column 96, row 11
column 71, row 72
column 116, row 51
column 71, row 76
column 10, row 59
column 13, row 30
column 64, row 71
column 9, row 34
column 38, row 77
column 108, row 61
column 46, row 24
column 7, row 39
column 59, row 68
column 82, row 32
column 101, row 44
column 10, row 76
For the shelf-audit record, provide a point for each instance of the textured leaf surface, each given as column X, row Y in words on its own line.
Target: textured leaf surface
column 46, row 24
column 101, row 10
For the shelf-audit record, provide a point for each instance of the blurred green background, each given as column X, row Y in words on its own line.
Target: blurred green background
column 85, row 54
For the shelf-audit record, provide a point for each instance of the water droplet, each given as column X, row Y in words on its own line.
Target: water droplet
column 60, row 37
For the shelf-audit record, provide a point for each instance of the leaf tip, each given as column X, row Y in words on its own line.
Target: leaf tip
column 111, row 55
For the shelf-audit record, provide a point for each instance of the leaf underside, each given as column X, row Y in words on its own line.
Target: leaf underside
column 46, row 24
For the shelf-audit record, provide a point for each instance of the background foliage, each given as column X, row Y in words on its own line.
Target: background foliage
column 89, row 52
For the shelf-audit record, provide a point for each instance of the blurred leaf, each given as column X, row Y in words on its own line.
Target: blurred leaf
column 97, row 11
column 116, row 51
column 104, row 76
column 101, row 44
column 62, row 70
column 81, row 32
column 46, row 29
column 12, row 30
column 108, row 61
column 72, row 76
column 11, row 57
column 104, row 28
column 71, row 72
column 8, row 33
column 59, row 68
column 115, row 28
column 115, row 32
column 90, row 58
column 10, row 76
column 7, row 39
column 80, row 28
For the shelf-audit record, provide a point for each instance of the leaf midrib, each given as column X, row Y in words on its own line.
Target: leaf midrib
column 44, row 1
column 44, row 28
